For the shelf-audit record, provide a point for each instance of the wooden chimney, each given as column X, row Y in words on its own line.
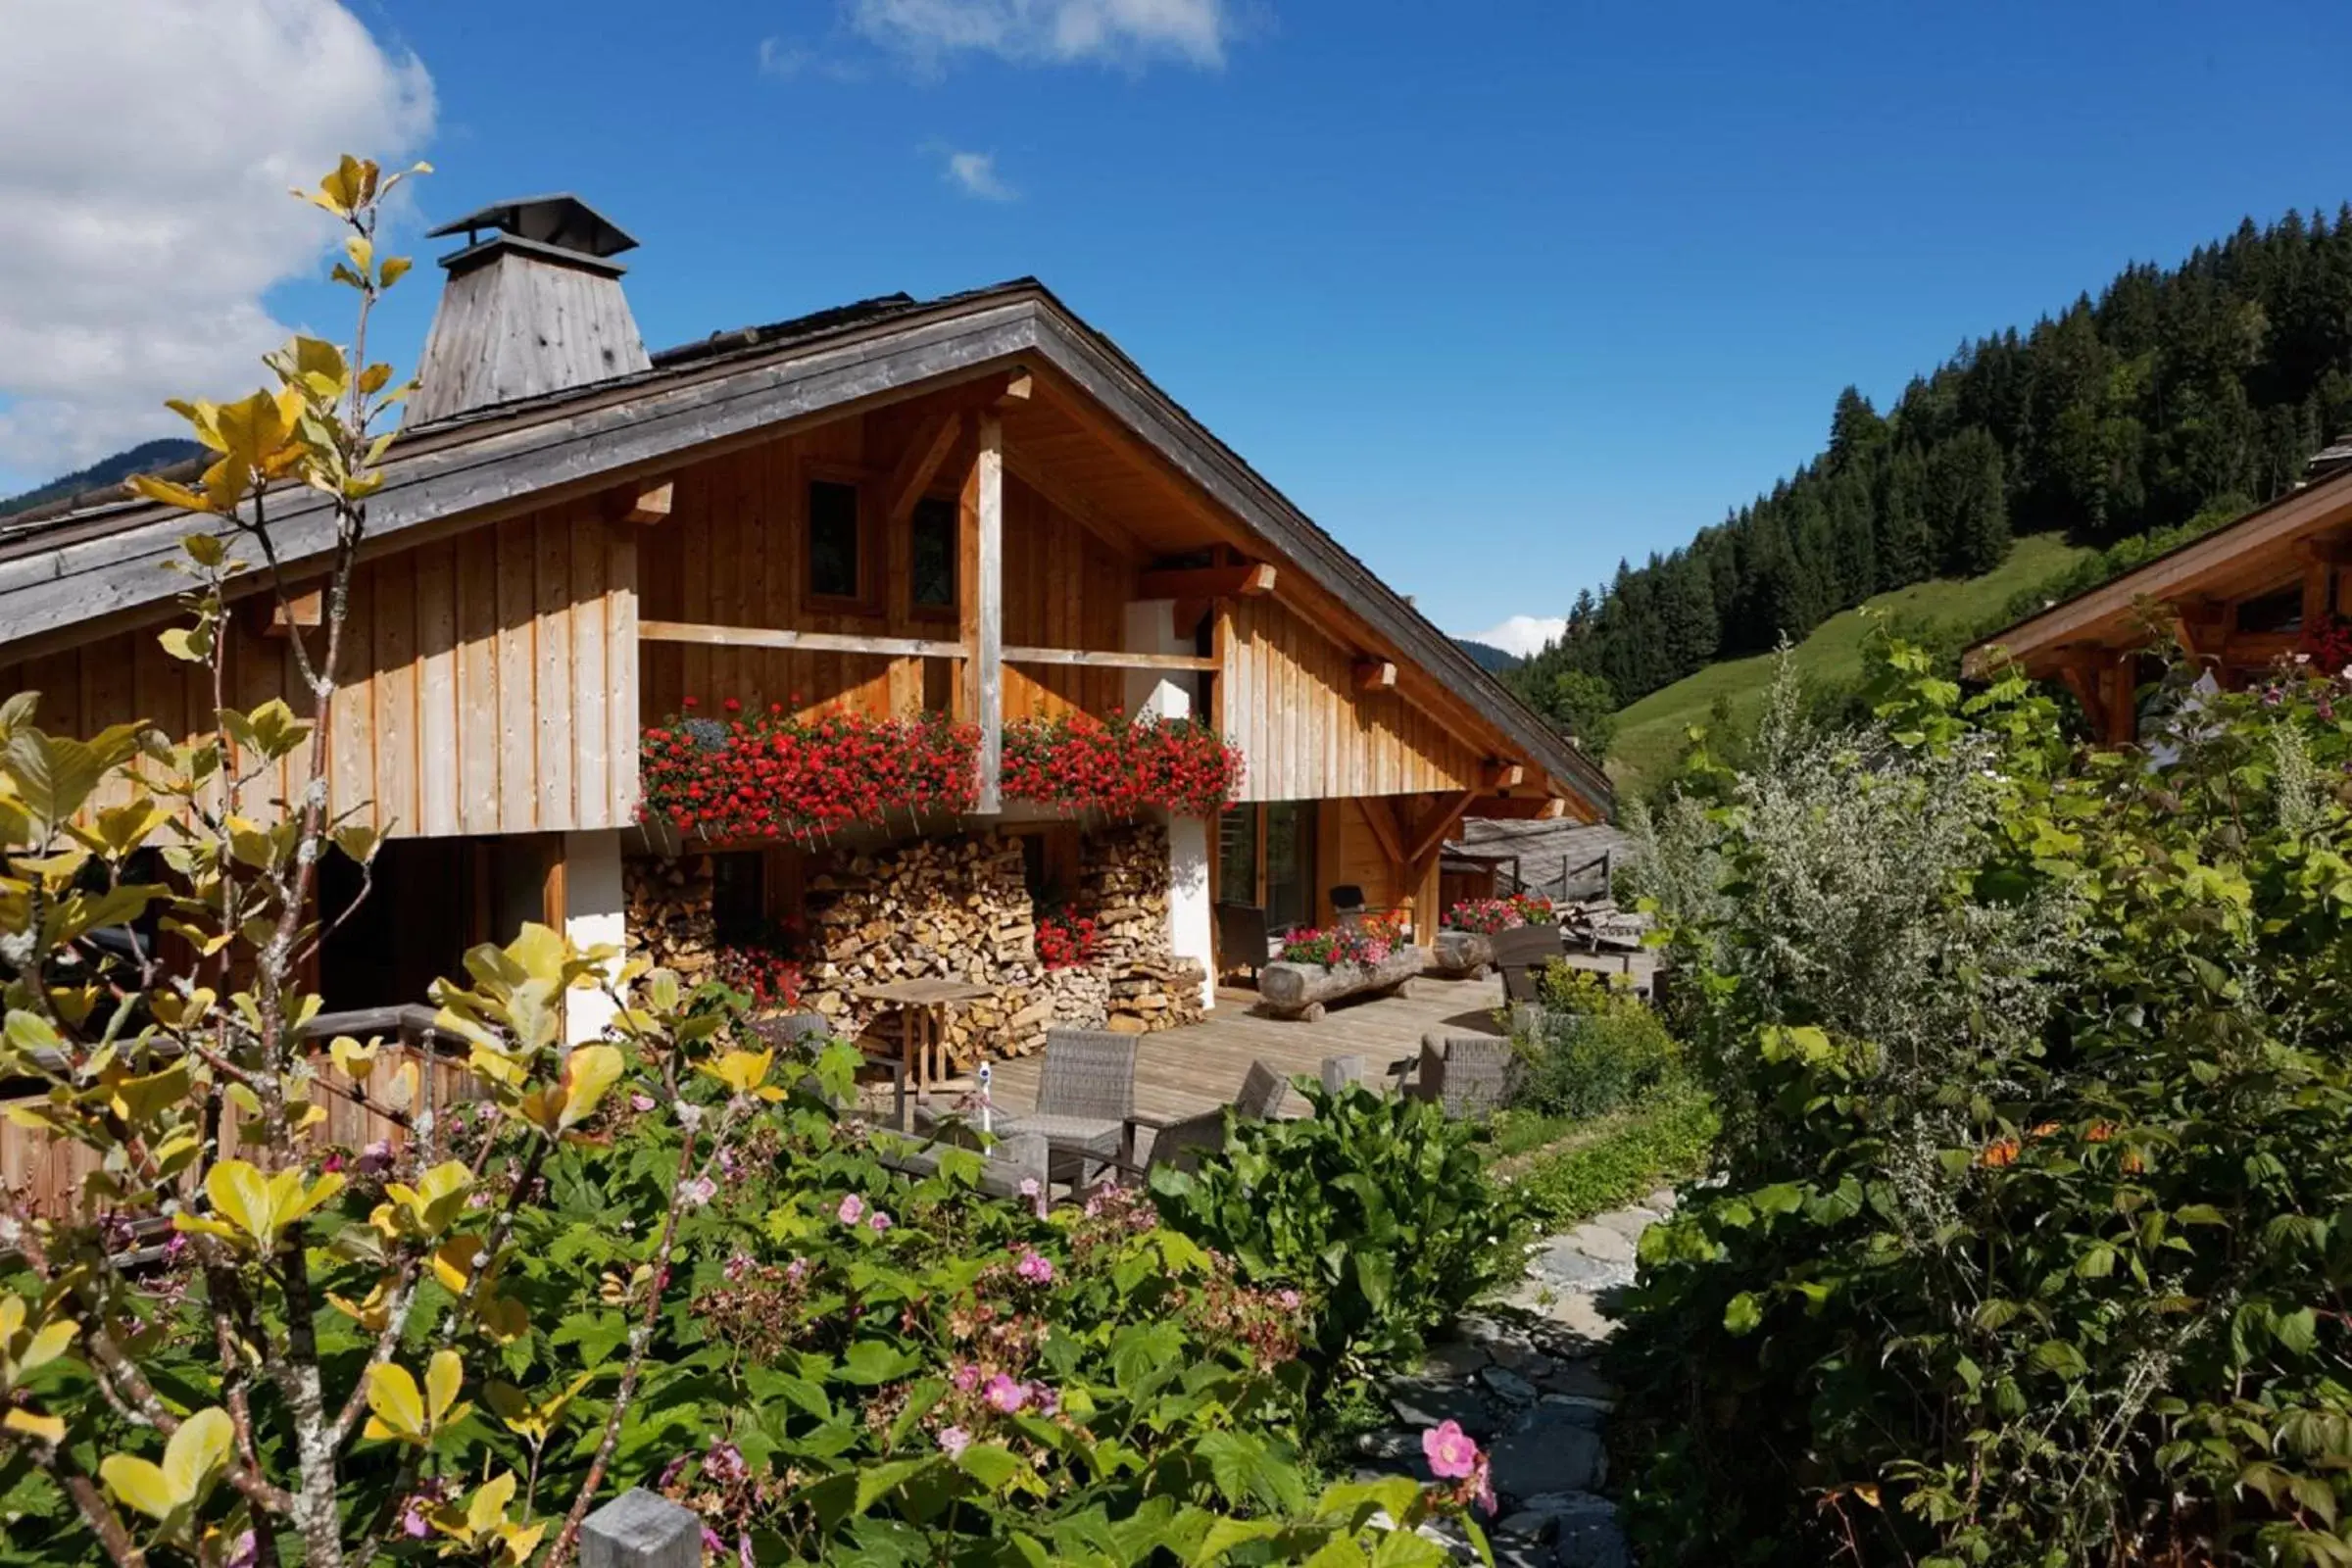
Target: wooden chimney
column 532, row 305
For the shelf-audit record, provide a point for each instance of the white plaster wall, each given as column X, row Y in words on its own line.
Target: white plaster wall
column 593, row 907
column 1189, row 934
column 1152, row 629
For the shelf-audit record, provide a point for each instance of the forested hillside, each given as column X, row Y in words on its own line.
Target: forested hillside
column 106, row 472
column 2171, row 391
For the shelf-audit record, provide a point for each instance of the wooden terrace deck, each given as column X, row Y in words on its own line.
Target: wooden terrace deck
column 1195, row 1068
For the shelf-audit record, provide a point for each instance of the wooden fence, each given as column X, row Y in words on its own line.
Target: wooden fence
column 49, row 1173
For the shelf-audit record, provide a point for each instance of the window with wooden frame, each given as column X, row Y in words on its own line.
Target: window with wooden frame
column 932, row 547
column 839, row 565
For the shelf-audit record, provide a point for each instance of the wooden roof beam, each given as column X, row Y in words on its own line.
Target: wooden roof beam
column 1375, row 675
column 919, row 464
column 1501, row 775
column 645, row 503
column 1439, row 820
column 1249, row 580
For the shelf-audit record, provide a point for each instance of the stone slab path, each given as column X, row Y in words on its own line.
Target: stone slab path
column 1517, row 1374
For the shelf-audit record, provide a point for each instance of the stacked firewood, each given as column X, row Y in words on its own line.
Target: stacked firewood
column 1123, row 883
column 669, row 917
column 943, row 909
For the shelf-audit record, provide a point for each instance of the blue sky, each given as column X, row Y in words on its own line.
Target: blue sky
column 1498, row 292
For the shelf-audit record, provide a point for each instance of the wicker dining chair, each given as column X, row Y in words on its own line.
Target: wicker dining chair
column 1470, row 1076
column 1088, row 1076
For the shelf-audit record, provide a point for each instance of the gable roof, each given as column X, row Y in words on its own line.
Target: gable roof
column 60, row 571
column 2218, row 563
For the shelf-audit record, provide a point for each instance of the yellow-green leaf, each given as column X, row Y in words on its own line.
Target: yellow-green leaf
column 397, row 1409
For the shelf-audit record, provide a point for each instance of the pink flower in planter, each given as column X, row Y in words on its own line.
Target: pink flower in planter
column 967, row 1377
column 952, row 1441
column 1034, row 1267
column 877, row 1222
column 1005, row 1394
column 852, row 1209
column 1449, row 1452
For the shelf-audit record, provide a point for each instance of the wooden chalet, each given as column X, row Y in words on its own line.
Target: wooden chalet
column 2236, row 600
column 974, row 503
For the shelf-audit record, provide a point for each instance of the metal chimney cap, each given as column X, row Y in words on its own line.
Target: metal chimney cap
column 561, row 221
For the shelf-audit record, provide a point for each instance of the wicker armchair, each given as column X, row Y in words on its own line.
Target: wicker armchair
column 1469, row 1075
column 1182, row 1143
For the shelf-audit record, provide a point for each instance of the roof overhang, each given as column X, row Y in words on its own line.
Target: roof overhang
column 111, row 562
column 2266, row 543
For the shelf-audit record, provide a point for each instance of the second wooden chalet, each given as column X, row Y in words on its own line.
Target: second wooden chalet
column 974, row 505
column 2235, row 600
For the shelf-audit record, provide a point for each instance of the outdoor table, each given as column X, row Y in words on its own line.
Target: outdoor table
column 922, row 1020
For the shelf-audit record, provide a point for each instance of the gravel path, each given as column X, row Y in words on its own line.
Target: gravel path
column 1518, row 1375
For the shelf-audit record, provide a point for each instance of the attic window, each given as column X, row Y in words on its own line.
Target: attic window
column 931, row 555
column 833, row 567
column 2280, row 611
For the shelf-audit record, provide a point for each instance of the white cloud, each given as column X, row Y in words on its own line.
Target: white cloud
column 145, row 151
column 1120, row 33
column 975, row 174
column 1522, row 634
column 782, row 58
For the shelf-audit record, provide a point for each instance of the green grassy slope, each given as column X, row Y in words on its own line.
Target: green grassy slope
column 1649, row 732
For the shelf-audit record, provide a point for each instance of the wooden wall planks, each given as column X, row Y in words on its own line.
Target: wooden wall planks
column 731, row 555
column 1289, row 701
column 489, row 682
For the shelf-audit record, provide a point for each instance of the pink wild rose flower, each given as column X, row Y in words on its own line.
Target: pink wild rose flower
column 852, row 1209
column 1450, row 1450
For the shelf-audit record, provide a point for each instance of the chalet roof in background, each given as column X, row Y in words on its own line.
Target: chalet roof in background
column 2309, row 509
column 61, row 566
column 1547, row 852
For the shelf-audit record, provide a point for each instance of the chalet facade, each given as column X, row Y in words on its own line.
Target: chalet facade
column 2235, row 600
column 974, row 505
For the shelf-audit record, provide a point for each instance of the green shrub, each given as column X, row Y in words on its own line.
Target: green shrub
column 1594, row 1049
column 2037, row 1169
column 1376, row 1209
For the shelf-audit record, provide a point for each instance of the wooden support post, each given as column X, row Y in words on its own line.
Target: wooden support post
column 2120, row 713
column 984, row 616
column 1220, row 649
column 2318, row 586
column 2080, row 674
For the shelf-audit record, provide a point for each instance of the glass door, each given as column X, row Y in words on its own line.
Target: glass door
column 1289, row 864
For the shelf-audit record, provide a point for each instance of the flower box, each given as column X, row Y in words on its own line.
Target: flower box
column 1300, row 991
column 1462, row 954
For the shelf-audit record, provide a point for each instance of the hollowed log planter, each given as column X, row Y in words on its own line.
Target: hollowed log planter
column 1300, row 990
column 1462, row 955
